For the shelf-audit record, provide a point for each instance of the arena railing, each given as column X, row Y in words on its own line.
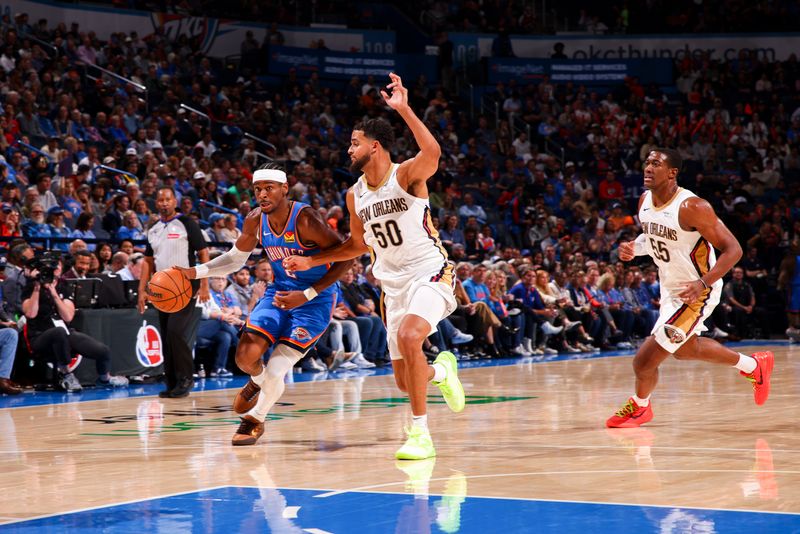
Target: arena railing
column 139, row 87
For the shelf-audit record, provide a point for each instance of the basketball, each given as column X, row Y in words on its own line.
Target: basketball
column 169, row 291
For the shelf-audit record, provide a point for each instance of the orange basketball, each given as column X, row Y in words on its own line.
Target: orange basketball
column 169, row 291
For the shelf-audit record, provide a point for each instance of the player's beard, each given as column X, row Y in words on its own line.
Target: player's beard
column 358, row 164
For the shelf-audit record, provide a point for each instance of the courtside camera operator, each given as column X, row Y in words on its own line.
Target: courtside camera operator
column 48, row 331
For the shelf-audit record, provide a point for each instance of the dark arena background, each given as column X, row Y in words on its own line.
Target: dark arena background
column 551, row 118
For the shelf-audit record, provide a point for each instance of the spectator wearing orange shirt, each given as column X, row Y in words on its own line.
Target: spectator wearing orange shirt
column 610, row 189
column 620, row 219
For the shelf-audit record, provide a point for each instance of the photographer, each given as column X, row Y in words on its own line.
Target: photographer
column 47, row 329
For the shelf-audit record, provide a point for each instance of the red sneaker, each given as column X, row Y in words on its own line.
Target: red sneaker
column 765, row 361
column 631, row 415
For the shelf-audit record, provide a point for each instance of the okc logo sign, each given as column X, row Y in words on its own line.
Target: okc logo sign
column 148, row 346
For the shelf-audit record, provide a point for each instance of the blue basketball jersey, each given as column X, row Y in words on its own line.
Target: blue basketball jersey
column 279, row 246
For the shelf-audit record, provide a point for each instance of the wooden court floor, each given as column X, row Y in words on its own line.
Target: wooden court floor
column 531, row 431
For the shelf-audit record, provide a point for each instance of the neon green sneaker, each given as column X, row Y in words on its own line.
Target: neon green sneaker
column 418, row 446
column 451, row 388
column 448, row 511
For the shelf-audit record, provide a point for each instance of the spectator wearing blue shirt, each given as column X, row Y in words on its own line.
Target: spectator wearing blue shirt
column 131, row 227
column 536, row 313
column 653, row 287
column 475, row 287
column 55, row 220
column 470, row 209
column 477, row 291
column 218, row 327
column 370, row 326
column 450, row 233
column 36, row 225
column 83, row 229
column 623, row 318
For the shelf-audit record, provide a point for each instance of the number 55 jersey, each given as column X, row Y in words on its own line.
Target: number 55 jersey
column 682, row 257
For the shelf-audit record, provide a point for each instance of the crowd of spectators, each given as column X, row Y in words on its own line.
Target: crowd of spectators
column 534, row 235
column 620, row 16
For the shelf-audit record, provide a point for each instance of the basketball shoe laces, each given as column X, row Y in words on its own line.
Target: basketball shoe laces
column 752, row 376
column 246, row 427
column 628, row 409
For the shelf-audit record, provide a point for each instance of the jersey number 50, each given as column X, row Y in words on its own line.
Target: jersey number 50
column 392, row 231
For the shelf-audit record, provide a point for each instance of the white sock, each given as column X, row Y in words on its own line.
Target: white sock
column 259, row 378
column 420, row 421
column 279, row 365
column 746, row 364
column 642, row 403
column 439, row 372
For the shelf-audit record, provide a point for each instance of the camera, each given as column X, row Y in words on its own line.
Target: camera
column 46, row 265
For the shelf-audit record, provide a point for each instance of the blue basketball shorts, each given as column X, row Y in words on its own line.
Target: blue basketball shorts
column 298, row 328
column 794, row 298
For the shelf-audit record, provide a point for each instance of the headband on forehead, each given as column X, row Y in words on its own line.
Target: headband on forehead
column 272, row 175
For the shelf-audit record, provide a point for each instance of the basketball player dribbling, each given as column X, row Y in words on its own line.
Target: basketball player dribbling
column 680, row 233
column 390, row 216
column 294, row 311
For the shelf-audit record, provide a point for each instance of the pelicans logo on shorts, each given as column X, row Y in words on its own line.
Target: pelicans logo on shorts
column 148, row 346
column 675, row 335
column 300, row 334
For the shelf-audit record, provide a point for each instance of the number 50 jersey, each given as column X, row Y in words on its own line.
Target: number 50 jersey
column 681, row 256
column 399, row 231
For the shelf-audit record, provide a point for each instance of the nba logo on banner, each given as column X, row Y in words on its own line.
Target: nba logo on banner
column 148, row 346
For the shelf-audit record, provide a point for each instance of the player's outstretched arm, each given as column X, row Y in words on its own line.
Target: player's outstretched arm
column 236, row 257
column 426, row 162
column 352, row 248
column 696, row 213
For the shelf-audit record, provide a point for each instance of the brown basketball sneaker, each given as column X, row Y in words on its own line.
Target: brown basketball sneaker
column 246, row 398
column 249, row 431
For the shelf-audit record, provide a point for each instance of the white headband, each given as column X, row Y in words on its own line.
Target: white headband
column 273, row 175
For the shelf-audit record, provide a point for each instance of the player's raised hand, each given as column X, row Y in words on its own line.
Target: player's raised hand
column 626, row 252
column 296, row 263
column 397, row 99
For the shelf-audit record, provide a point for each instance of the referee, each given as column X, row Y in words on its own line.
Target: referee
column 174, row 240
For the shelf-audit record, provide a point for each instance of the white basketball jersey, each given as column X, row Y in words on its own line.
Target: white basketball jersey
column 399, row 231
column 681, row 256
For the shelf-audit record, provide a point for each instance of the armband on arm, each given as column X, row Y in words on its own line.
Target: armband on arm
column 230, row 262
column 639, row 248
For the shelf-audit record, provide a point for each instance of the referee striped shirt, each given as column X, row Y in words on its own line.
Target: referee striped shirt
column 175, row 242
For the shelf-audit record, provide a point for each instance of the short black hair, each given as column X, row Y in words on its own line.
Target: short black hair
column 378, row 129
column 271, row 166
column 165, row 188
column 674, row 159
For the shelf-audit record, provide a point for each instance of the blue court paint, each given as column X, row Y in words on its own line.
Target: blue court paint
column 41, row 398
column 244, row 509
